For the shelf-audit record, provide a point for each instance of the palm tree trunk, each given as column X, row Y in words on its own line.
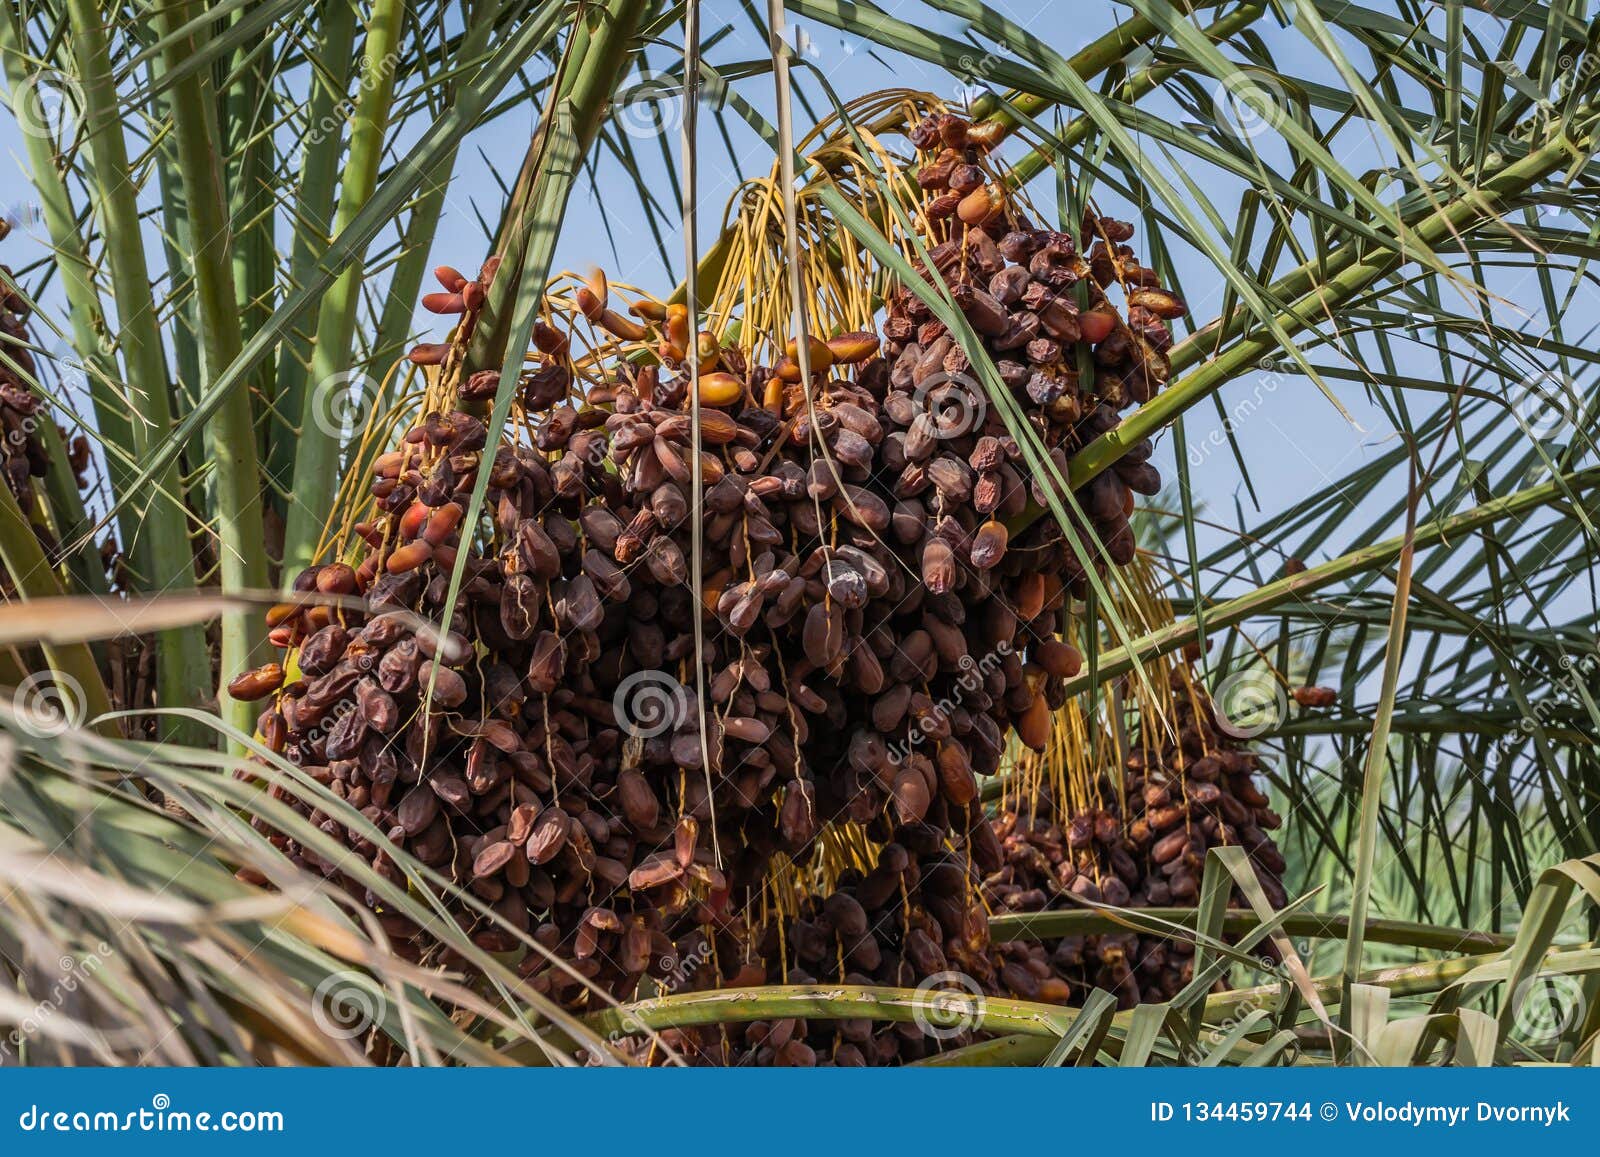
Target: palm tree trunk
column 162, row 552
column 231, row 433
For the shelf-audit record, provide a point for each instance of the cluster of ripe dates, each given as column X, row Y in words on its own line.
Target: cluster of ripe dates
column 875, row 621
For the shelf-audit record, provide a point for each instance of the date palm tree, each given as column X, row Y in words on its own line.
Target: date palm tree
column 1380, row 215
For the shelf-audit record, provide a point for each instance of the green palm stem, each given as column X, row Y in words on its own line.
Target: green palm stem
column 1489, row 721
column 231, row 432
column 1095, row 58
column 312, row 226
column 1321, row 287
column 176, row 241
column 819, row 1002
column 602, row 48
column 252, row 183
column 1014, row 1050
column 74, row 664
column 316, row 455
column 1044, row 1021
column 163, row 554
column 957, row 56
column 1447, row 532
column 1550, row 638
column 86, row 318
